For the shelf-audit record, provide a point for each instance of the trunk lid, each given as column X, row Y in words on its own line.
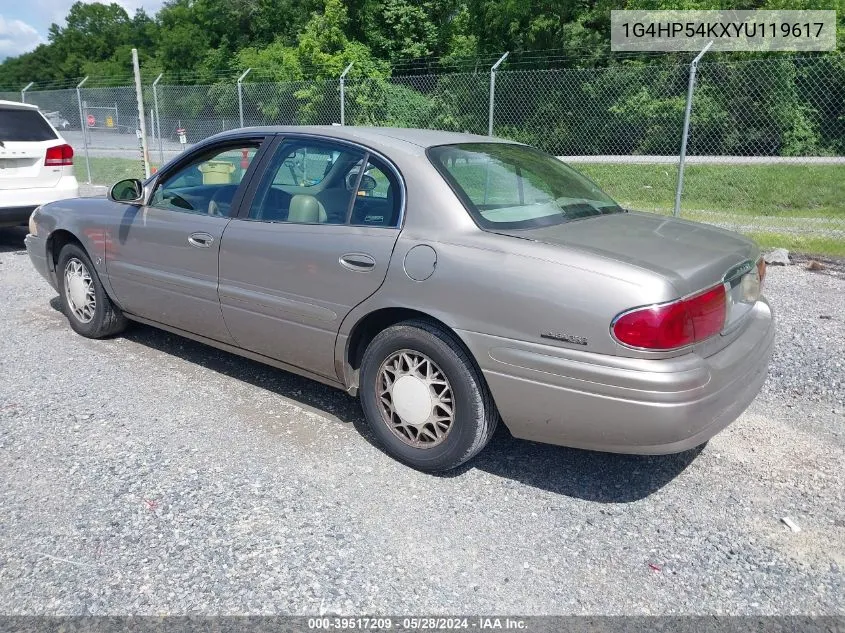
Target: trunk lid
column 692, row 256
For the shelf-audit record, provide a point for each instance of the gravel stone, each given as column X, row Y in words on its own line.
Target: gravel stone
column 149, row 474
column 778, row 257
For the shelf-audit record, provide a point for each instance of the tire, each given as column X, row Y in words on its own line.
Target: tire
column 102, row 318
column 473, row 412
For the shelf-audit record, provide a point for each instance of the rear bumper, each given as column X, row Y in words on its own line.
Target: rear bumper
column 622, row 405
column 17, row 204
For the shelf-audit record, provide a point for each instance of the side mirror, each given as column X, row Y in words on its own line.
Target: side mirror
column 130, row 190
column 368, row 183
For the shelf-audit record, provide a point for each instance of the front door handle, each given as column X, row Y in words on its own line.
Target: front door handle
column 200, row 240
column 359, row 262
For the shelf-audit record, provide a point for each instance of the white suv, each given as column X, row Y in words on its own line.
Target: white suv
column 36, row 164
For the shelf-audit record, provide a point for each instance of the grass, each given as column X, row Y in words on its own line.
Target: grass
column 799, row 207
column 761, row 190
column 811, row 245
column 107, row 171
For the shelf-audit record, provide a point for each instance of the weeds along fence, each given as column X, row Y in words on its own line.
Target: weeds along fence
column 765, row 149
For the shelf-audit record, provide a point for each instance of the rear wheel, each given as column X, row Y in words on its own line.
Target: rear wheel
column 424, row 398
column 89, row 310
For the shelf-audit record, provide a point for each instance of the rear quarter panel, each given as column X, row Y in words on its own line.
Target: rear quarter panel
column 517, row 290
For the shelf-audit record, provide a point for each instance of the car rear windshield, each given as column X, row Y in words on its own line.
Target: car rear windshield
column 508, row 186
column 24, row 125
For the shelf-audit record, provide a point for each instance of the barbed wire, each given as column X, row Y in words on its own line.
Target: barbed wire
column 517, row 60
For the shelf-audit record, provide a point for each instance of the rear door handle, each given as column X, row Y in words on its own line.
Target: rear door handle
column 359, row 262
column 200, row 240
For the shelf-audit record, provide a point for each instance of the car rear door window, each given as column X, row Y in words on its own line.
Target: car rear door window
column 377, row 200
column 24, row 126
column 305, row 166
column 321, row 182
column 308, row 182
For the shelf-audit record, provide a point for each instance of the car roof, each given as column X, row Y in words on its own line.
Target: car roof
column 17, row 105
column 411, row 140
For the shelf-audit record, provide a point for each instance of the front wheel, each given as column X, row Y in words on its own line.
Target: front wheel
column 423, row 397
column 88, row 308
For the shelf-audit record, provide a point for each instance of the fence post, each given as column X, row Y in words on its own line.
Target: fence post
column 493, row 71
column 158, row 120
column 142, row 126
column 683, row 156
column 23, row 92
column 343, row 94
column 241, row 94
column 83, row 127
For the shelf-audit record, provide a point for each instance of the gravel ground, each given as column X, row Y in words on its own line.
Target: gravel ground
column 152, row 475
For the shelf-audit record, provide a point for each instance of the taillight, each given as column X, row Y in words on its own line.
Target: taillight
column 673, row 325
column 58, row 156
column 761, row 271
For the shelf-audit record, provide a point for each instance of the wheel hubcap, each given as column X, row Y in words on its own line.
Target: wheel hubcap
column 79, row 289
column 416, row 399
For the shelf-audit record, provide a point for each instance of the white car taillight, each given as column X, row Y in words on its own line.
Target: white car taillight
column 59, row 156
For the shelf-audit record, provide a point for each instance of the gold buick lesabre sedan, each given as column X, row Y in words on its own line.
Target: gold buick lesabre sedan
column 448, row 280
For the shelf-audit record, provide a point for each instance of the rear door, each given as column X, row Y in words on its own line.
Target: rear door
column 310, row 245
column 25, row 137
column 163, row 264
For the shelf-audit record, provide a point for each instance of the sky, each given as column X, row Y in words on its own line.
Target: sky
column 24, row 23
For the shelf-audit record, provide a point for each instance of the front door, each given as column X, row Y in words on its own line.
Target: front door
column 162, row 265
column 315, row 242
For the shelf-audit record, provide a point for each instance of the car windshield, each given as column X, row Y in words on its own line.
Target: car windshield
column 508, row 186
column 24, row 125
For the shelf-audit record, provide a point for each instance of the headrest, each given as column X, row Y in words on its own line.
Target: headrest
column 306, row 209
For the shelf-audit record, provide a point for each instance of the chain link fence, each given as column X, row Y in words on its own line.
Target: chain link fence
column 765, row 149
column 456, row 102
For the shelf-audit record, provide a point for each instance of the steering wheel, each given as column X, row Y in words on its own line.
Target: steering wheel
column 177, row 201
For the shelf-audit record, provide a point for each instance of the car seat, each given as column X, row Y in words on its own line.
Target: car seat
column 306, row 209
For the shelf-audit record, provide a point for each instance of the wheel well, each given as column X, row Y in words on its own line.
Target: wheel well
column 367, row 328
column 57, row 241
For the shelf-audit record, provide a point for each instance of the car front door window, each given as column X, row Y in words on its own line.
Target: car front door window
column 206, row 185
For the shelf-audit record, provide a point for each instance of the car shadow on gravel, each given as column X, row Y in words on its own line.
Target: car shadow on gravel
column 588, row 475
column 11, row 239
